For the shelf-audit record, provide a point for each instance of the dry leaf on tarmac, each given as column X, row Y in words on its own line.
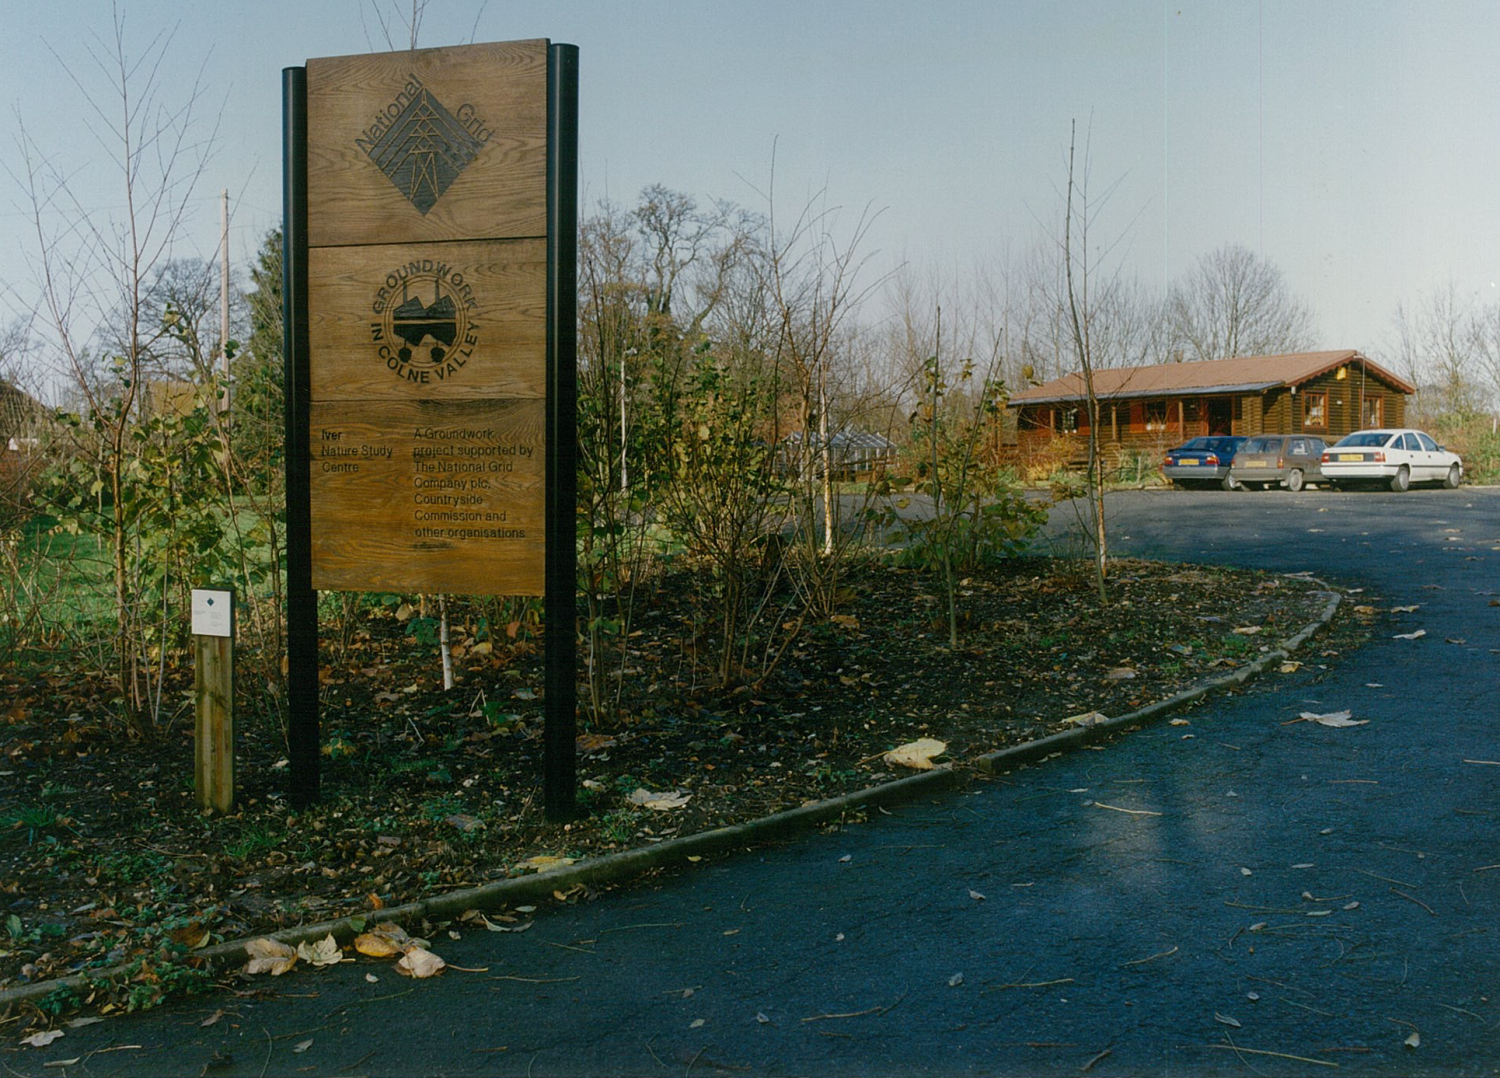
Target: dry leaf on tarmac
column 1291, row 666
column 269, row 956
column 385, row 940
column 419, row 962
column 1086, row 718
column 1410, row 636
column 1333, row 718
column 917, row 754
column 1248, row 630
column 1413, row 1041
column 325, row 952
column 1405, row 609
column 41, row 1040
column 660, row 802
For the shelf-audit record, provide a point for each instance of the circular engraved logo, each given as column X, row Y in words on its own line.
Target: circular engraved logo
column 423, row 329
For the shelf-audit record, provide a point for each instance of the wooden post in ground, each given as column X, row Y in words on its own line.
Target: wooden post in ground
column 213, row 698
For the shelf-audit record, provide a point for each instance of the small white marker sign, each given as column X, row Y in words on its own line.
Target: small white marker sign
column 213, row 612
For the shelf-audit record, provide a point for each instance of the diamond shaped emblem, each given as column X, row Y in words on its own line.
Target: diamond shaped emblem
column 424, row 151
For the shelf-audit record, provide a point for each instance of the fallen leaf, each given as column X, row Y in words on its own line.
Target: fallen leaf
column 269, row 956
column 324, row 952
column 41, row 1040
column 916, row 754
column 1365, row 609
column 1121, row 673
column 588, row 743
column 1410, row 636
column 696, row 1023
column 1333, row 718
column 302, row 1046
column 1226, row 1020
column 372, row 978
column 976, row 896
column 1247, row 630
column 1414, row 1040
column 1086, row 718
column 192, row 935
column 544, row 863
column 1291, row 666
column 1180, row 722
column 385, row 940
column 211, row 1020
column 419, row 962
column 956, row 980
column 660, row 802
column 760, row 1016
column 464, row 823
column 1405, row 609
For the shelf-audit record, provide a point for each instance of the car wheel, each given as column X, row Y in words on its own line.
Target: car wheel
column 1401, row 480
column 1294, row 480
column 1228, row 483
column 1453, row 477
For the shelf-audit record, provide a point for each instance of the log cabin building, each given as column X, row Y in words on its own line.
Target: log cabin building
column 1151, row 409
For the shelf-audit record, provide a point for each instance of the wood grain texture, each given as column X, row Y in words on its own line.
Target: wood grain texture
column 499, row 287
column 498, row 91
column 213, row 742
column 429, row 497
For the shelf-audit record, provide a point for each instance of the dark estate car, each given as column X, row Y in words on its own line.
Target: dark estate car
column 1201, row 462
column 1285, row 460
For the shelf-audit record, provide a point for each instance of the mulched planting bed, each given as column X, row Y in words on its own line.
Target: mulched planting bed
column 105, row 859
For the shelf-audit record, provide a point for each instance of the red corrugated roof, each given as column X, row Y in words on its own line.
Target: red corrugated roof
column 1243, row 374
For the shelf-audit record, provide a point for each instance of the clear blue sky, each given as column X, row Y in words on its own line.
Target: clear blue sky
column 1352, row 144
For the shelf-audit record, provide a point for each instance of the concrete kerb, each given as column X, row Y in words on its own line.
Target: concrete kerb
column 615, row 867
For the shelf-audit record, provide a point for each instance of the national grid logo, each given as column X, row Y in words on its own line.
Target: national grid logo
column 421, row 146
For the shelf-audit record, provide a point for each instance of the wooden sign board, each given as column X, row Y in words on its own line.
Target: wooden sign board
column 427, row 325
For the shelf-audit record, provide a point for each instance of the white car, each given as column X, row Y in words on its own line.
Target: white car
column 1397, row 458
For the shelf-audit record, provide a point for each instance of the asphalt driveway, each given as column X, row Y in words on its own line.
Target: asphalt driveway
column 1237, row 894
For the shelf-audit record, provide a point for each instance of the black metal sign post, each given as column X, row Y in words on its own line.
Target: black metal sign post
column 301, row 600
column 560, row 729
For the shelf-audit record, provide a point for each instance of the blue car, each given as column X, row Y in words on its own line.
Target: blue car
column 1202, row 462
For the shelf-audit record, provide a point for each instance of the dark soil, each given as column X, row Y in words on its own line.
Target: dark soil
column 104, row 857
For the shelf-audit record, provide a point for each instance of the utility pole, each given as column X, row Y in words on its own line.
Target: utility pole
column 624, row 481
column 224, row 295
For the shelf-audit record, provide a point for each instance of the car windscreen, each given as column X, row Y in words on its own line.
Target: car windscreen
column 1261, row 445
column 1364, row 439
column 1199, row 444
column 1223, row 446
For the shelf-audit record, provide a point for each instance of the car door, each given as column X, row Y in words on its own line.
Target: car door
column 1315, row 447
column 1435, row 462
column 1415, row 458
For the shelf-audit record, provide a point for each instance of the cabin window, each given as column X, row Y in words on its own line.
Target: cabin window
column 1372, row 414
column 1315, row 411
column 1067, row 420
column 1156, row 415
